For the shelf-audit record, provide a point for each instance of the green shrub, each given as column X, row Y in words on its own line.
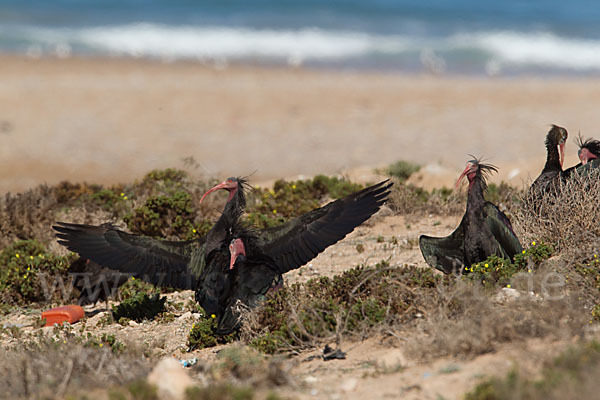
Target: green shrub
column 134, row 287
column 402, row 170
column 140, row 307
column 291, row 199
column 166, row 216
column 29, row 273
column 116, row 346
column 495, row 271
column 351, row 303
column 203, row 334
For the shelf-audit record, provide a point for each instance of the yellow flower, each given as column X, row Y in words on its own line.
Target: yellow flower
column 274, row 211
column 125, row 198
column 508, row 286
column 31, row 257
column 17, row 255
column 101, row 344
column 293, row 186
column 213, row 316
column 28, row 269
column 533, row 243
column 487, row 266
column 122, row 194
column 523, row 252
column 133, row 278
column 595, row 255
column 194, row 230
column 529, row 270
column 64, row 341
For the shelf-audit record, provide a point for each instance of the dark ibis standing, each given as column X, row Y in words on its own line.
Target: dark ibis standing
column 550, row 177
column 209, row 265
column 483, row 231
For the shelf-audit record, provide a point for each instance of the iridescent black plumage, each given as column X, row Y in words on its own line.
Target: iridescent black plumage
column 203, row 264
column 110, row 255
column 550, row 177
column 483, row 231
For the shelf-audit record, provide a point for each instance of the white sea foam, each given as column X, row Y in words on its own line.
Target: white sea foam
column 540, row 49
column 496, row 49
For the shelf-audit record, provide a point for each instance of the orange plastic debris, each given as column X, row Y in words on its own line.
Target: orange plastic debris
column 58, row 315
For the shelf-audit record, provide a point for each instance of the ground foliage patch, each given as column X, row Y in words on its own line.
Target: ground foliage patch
column 572, row 374
column 203, row 333
column 140, row 307
column 66, row 364
column 286, row 200
column 496, row 272
column 30, row 273
column 565, row 218
column 351, row 304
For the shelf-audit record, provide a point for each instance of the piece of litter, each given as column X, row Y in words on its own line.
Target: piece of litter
column 189, row 362
column 330, row 354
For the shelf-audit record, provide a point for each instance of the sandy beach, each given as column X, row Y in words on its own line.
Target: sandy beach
column 112, row 120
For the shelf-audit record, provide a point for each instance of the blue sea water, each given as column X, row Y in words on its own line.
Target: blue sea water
column 460, row 36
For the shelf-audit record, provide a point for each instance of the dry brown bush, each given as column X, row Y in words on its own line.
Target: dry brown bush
column 467, row 322
column 410, row 199
column 567, row 219
column 50, row 370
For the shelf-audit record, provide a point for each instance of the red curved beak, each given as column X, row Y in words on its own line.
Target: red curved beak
column 236, row 249
column 561, row 150
column 222, row 185
column 461, row 177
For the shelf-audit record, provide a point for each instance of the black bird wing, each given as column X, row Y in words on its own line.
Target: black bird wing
column 502, row 231
column 160, row 262
column 298, row 241
column 445, row 254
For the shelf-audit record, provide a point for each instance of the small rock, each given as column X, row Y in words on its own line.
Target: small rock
column 185, row 316
column 132, row 323
column 170, row 379
column 310, row 379
column 95, row 319
column 349, row 385
column 507, row 295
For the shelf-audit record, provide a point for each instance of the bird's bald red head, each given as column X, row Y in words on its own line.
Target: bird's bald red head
column 469, row 171
column 229, row 184
column 236, row 249
column 585, row 155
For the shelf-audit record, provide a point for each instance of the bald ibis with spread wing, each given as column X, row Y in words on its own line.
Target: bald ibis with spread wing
column 257, row 260
column 483, row 231
column 185, row 265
